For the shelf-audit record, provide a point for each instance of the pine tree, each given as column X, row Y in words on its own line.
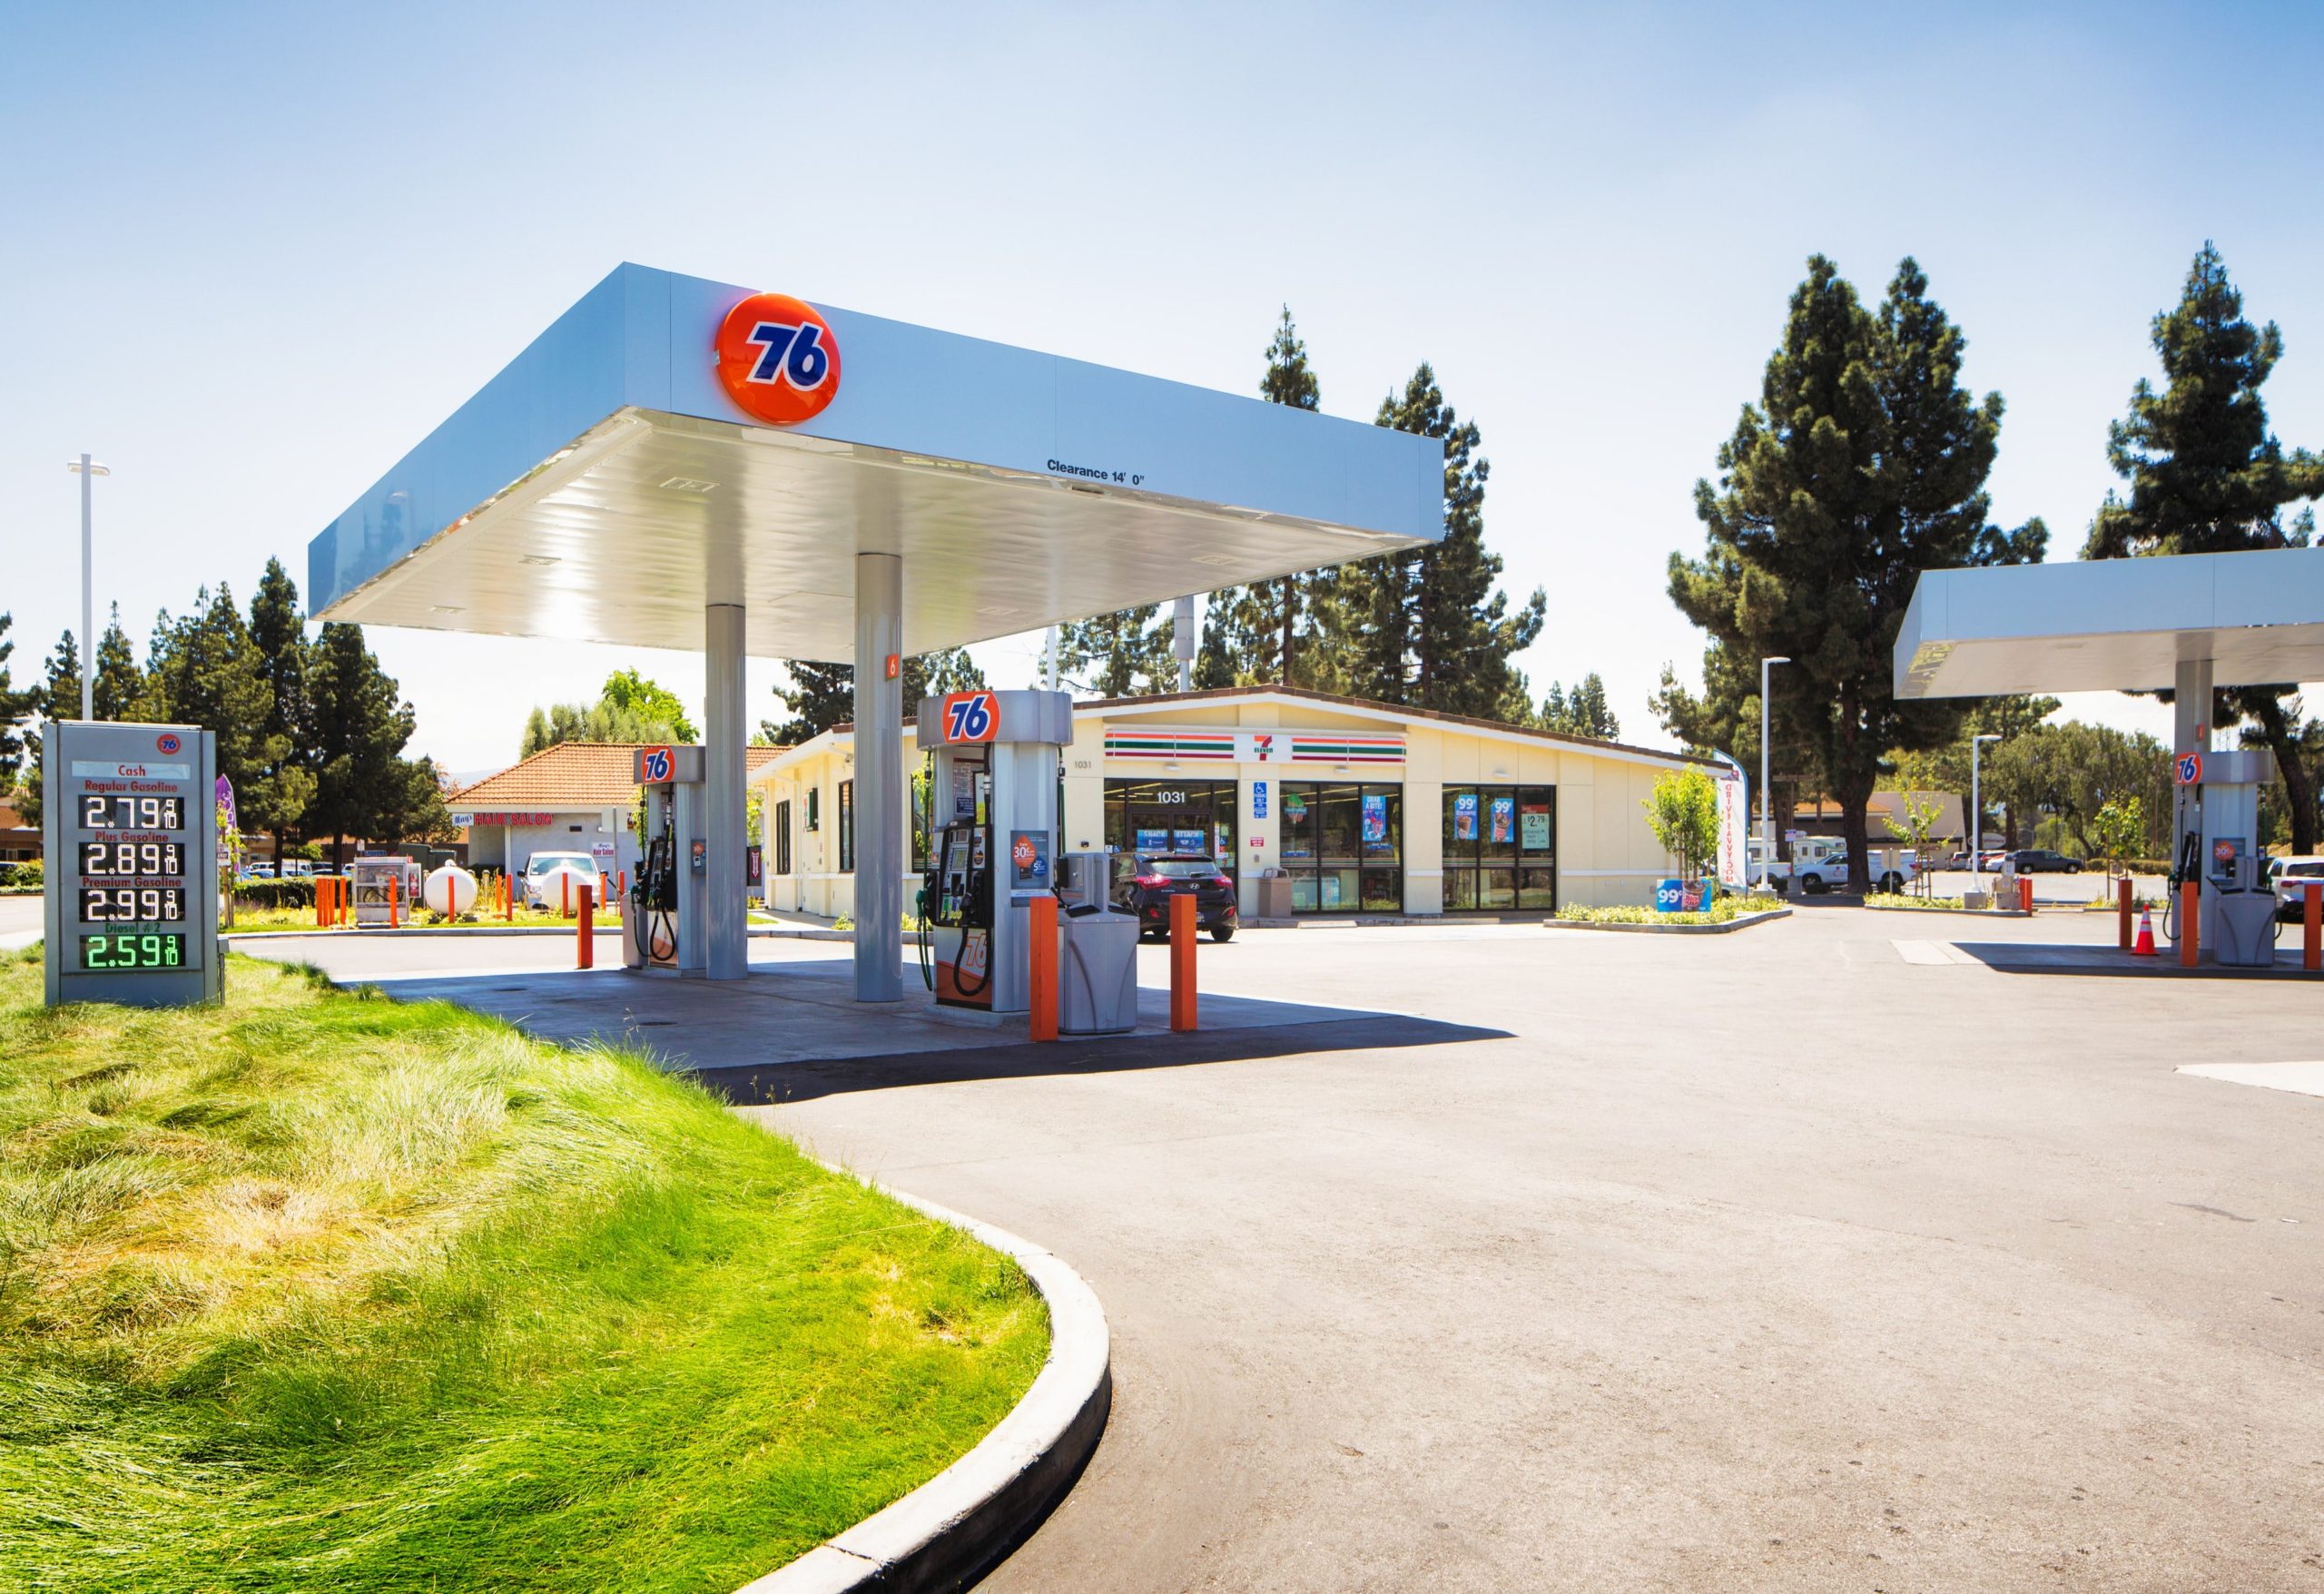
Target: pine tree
column 1288, row 381
column 1584, row 713
column 2207, row 476
column 1431, row 628
column 364, row 786
column 1862, row 464
column 120, row 694
column 205, row 671
column 278, row 634
column 1130, row 651
column 820, row 696
column 16, row 703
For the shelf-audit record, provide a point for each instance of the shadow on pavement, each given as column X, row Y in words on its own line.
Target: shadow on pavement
column 2055, row 957
column 760, row 1086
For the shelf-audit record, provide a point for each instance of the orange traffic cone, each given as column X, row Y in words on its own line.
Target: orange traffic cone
column 2144, row 947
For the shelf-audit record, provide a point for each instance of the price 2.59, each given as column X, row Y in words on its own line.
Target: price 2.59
column 132, row 860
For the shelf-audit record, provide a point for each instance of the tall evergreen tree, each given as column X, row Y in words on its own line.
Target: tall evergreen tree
column 15, row 704
column 2207, row 476
column 1130, row 652
column 822, row 695
column 1863, row 464
column 1582, row 712
column 205, row 671
column 120, row 694
column 1431, row 627
column 364, row 786
column 278, row 635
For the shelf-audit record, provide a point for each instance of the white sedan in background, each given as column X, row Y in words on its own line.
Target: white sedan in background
column 2292, row 877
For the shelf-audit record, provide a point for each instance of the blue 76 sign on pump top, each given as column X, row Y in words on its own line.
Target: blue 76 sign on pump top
column 971, row 716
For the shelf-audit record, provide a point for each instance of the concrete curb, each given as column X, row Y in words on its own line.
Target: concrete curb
column 953, row 1529
column 1971, row 912
column 1732, row 925
column 760, row 931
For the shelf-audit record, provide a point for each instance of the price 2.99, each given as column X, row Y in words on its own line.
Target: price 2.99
column 132, row 905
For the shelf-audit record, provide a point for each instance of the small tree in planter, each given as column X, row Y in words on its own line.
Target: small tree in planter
column 1920, row 819
column 1683, row 814
column 2119, row 829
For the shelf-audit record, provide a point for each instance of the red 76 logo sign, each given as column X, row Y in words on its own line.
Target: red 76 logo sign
column 971, row 716
column 654, row 765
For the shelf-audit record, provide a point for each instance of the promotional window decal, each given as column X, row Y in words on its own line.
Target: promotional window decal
column 1375, row 822
column 1533, row 827
column 1504, row 820
column 1464, row 816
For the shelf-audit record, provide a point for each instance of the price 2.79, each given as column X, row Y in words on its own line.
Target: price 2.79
column 132, row 860
column 99, row 812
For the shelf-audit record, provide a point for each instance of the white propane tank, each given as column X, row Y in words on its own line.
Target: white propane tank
column 450, row 890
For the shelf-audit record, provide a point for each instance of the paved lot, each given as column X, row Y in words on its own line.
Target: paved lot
column 20, row 921
column 1811, row 1257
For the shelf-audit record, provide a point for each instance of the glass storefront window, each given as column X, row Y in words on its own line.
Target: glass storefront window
column 1500, row 849
column 1343, row 846
column 1174, row 816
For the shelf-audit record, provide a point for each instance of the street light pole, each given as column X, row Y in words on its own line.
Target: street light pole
column 1767, row 793
column 87, row 469
column 1977, row 826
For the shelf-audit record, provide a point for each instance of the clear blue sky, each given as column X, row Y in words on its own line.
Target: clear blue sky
column 249, row 255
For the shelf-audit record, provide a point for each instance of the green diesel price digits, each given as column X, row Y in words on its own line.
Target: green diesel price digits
column 146, row 951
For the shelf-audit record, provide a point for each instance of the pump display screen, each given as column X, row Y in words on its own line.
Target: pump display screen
column 99, row 813
column 142, row 949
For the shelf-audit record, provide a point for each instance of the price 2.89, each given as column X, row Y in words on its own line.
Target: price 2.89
column 132, row 860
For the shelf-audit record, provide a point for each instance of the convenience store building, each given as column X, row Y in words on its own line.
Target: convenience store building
column 1369, row 808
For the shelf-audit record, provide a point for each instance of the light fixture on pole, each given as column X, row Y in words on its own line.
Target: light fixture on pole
column 1767, row 793
column 1976, row 826
column 86, row 469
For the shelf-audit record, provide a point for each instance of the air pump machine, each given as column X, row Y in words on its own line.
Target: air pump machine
column 2215, row 817
column 662, row 926
column 992, row 840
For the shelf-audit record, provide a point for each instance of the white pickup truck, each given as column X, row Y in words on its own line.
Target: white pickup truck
column 1820, row 864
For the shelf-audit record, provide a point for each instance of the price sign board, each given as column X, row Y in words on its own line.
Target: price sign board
column 130, row 828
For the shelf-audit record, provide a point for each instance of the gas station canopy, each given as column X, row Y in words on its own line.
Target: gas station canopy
column 2115, row 625
column 608, row 484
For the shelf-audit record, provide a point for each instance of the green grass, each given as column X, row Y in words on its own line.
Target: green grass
column 321, row 1291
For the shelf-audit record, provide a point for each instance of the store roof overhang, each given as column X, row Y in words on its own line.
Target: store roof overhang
column 2113, row 625
column 603, row 487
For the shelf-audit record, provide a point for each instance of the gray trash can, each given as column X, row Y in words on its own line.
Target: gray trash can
column 2246, row 921
column 1097, row 976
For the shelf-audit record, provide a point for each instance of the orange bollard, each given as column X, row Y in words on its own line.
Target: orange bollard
column 393, row 922
column 508, row 896
column 2025, row 893
column 2311, row 940
column 2124, row 894
column 588, row 929
column 565, row 895
column 2190, row 925
column 1042, row 921
column 1183, row 928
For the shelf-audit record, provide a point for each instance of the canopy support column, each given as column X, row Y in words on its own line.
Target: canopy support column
column 879, row 778
column 726, row 928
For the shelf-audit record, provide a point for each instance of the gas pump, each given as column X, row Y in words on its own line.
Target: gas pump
column 662, row 928
column 2216, row 820
column 993, row 839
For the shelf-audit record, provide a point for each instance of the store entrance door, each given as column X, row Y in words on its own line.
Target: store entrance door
column 1173, row 816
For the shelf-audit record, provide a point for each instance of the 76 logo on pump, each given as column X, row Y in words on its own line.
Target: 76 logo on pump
column 778, row 358
column 971, row 716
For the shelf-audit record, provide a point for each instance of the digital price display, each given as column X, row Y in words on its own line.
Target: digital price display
column 132, row 860
column 103, row 812
column 144, row 950
column 132, row 892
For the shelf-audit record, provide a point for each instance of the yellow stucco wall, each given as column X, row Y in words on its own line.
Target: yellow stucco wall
column 1605, row 853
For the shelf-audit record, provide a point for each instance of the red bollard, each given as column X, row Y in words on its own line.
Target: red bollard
column 2125, row 895
column 2025, row 893
column 2190, row 925
column 2311, row 939
column 1041, row 920
column 589, row 932
column 1183, row 928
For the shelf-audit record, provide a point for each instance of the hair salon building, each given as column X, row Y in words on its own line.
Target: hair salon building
column 1367, row 807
